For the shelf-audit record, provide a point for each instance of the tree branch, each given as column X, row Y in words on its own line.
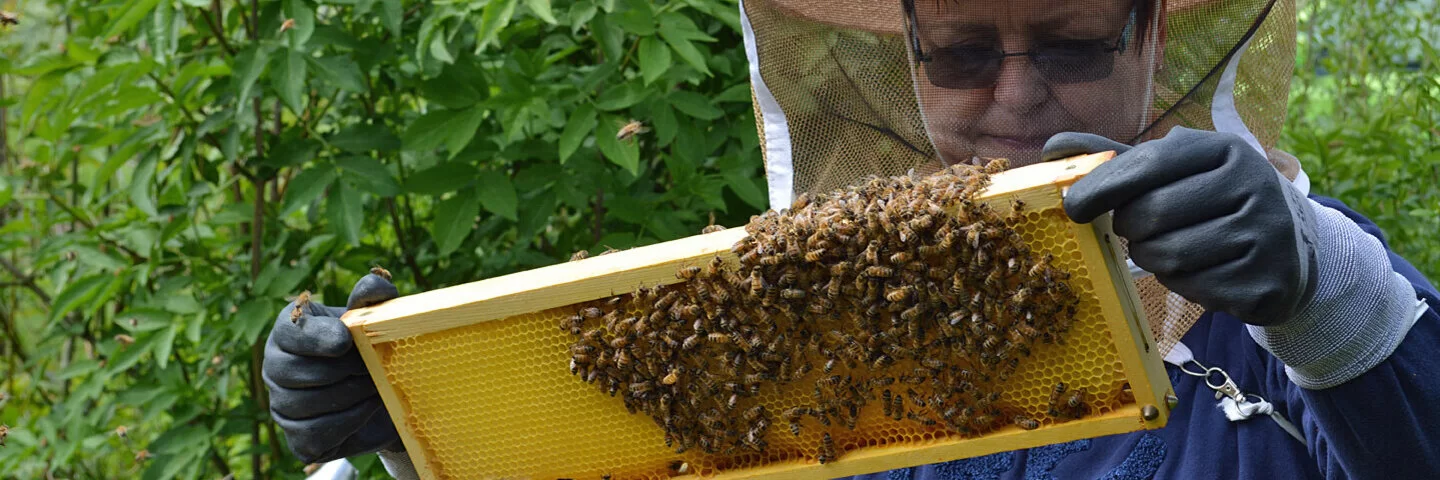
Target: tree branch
column 405, row 252
column 9, row 325
column 215, row 29
column 135, row 258
column 26, row 280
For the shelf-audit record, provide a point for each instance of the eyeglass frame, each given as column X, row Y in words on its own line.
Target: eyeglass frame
column 1120, row 46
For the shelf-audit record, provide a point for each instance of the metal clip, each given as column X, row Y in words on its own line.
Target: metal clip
column 1226, row 388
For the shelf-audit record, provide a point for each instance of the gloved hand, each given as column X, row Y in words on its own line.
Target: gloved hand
column 320, row 392
column 1207, row 214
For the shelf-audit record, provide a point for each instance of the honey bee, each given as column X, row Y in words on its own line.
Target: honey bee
column 688, row 273
column 630, row 130
column 885, row 398
column 579, row 255
column 792, row 294
column 815, row 256
column 842, row 268
column 380, row 271
column 827, row 449
column 1026, row 422
column 877, row 271
column 712, row 228
column 899, row 294
column 301, row 301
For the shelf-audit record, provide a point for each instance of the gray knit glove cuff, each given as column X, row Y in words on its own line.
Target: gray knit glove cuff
column 1359, row 314
column 398, row 464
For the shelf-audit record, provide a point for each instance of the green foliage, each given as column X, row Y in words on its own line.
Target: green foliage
column 176, row 168
column 1365, row 116
column 173, row 169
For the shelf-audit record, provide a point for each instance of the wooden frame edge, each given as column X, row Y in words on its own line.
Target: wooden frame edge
column 880, row 459
column 1125, row 317
column 418, row 454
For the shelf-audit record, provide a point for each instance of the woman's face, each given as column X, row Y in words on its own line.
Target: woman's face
column 1011, row 109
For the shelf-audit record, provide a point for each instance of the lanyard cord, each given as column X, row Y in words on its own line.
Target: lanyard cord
column 1234, row 403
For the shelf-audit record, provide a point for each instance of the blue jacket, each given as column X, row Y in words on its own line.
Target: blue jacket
column 1385, row 424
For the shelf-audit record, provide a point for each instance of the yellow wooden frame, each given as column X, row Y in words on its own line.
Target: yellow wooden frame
column 1040, row 186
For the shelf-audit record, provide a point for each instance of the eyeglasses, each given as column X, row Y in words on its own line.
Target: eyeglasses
column 963, row 67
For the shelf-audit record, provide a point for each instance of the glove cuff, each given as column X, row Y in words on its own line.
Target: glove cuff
column 398, row 464
column 1359, row 312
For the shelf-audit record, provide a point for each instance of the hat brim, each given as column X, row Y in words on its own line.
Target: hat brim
column 883, row 17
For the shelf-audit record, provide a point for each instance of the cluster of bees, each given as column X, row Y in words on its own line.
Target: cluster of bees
column 903, row 291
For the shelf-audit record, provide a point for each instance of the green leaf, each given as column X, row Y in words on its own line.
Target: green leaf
column 130, row 14
column 580, row 124
column 687, row 51
column 304, row 18
column 654, row 59
column 76, row 292
column 497, row 194
column 441, row 179
column 620, row 97
column 362, row 138
column 140, row 183
column 306, row 187
column 179, row 439
column 541, row 9
column 249, row 64
column 637, row 19
column 462, row 129
column 695, row 105
column 454, row 220
column 493, row 18
column 172, row 465
column 345, row 209
column 459, row 86
column 340, row 71
column 288, row 80
column 391, row 14
column 677, row 25
column 429, row 130
column 439, row 49
column 626, row 154
column 164, row 343
column 370, row 173
column 744, row 187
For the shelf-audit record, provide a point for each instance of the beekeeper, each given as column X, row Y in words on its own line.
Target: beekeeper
column 1328, row 340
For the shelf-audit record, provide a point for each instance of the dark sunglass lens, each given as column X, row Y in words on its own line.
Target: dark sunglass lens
column 1074, row 65
column 963, row 67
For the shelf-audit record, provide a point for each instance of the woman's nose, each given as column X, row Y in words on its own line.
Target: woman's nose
column 1019, row 87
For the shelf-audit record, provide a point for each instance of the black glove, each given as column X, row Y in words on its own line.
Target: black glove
column 320, row 392
column 1207, row 214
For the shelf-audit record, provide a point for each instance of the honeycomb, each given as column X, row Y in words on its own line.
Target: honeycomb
column 498, row 399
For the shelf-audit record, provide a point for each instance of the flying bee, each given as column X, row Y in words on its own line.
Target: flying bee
column 8, row 18
column 712, row 228
column 592, row 312
column 630, row 130
column 579, row 255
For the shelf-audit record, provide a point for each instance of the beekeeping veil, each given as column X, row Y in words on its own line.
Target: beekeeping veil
column 848, row 88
